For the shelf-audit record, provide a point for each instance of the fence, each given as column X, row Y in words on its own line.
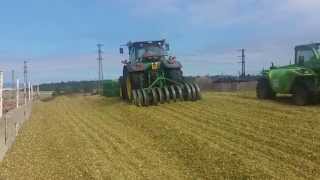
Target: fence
column 10, row 125
column 14, row 111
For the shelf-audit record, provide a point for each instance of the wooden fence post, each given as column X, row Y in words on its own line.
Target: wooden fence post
column 32, row 92
column 29, row 91
column 1, row 94
column 18, row 93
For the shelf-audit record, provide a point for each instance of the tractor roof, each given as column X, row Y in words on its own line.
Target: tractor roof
column 313, row 45
column 145, row 43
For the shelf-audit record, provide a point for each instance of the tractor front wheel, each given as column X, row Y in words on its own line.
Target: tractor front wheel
column 301, row 95
column 264, row 90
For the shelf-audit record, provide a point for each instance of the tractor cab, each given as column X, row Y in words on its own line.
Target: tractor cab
column 308, row 55
column 147, row 51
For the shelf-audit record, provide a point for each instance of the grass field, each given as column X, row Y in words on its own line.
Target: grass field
column 224, row 136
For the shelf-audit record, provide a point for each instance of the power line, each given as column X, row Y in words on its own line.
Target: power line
column 100, row 69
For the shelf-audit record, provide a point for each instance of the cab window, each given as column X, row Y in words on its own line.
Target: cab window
column 132, row 55
column 304, row 56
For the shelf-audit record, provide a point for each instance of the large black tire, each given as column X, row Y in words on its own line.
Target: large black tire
column 131, row 80
column 122, row 88
column 137, row 80
column 124, row 79
column 175, row 74
column 264, row 90
column 301, row 95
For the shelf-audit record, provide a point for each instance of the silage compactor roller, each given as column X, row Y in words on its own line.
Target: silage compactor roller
column 151, row 77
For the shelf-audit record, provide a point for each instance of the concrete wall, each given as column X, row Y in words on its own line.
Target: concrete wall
column 10, row 124
column 207, row 84
column 234, row 86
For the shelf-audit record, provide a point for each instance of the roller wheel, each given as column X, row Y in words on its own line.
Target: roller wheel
column 167, row 94
column 198, row 91
column 155, row 100
column 160, row 95
column 187, row 92
column 179, row 92
column 140, row 97
column 146, row 99
column 134, row 97
column 193, row 92
column 173, row 93
column 175, row 74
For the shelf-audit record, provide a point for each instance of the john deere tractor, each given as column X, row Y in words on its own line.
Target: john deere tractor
column 151, row 76
column 302, row 79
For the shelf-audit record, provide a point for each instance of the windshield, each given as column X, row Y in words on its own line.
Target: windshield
column 318, row 49
column 150, row 51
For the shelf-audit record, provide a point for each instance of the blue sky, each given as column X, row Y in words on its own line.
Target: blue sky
column 58, row 38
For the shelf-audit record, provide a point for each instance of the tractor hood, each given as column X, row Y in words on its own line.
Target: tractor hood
column 298, row 70
column 293, row 68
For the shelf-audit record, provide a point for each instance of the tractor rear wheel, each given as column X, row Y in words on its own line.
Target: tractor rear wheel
column 128, row 88
column 264, row 90
column 137, row 80
column 122, row 88
column 301, row 95
column 135, row 97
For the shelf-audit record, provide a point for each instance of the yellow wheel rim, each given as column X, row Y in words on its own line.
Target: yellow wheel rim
column 129, row 89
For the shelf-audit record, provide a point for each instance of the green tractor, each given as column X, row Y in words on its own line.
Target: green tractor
column 151, row 76
column 301, row 79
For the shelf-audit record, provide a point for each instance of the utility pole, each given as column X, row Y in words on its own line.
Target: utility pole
column 25, row 79
column 13, row 82
column 100, row 70
column 13, row 79
column 243, row 63
column 25, row 72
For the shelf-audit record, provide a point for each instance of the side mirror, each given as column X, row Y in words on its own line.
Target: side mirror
column 167, row 46
column 121, row 50
column 124, row 62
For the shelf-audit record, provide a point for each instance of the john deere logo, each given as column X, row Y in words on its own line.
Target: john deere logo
column 155, row 66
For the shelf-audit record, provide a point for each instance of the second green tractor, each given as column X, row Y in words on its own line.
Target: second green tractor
column 151, row 76
column 301, row 79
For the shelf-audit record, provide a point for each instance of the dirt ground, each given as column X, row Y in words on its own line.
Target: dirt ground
column 224, row 136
